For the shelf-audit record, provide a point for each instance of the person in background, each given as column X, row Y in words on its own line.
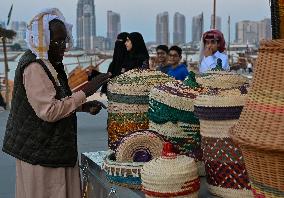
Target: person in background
column 162, row 58
column 212, row 49
column 249, row 66
column 41, row 131
column 119, row 57
column 138, row 56
column 176, row 70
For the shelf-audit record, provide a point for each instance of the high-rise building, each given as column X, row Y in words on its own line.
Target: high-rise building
column 86, row 24
column 113, row 26
column 264, row 29
column 179, row 29
column 218, row 23
column 197, row 27
column 253, row 31
column 247, row 32
column 162, row 28
column 20, row 28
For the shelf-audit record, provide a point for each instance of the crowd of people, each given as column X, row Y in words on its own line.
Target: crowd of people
column 130, row 52
column 41, row 131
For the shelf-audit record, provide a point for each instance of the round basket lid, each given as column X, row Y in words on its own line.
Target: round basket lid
column 139, row 146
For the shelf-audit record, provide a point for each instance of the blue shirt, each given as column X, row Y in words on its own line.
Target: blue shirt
column 163, row 68
column 209, row 62
column 179, row 73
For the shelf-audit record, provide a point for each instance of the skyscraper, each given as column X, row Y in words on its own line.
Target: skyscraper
column 20, row 28
column 179, row 29
column 253, row 31
column 197, row 27
column 113, row 26
column 264, row 29
column 247, row 31
column 162, row 28
column 86, row 24
column 218, row 23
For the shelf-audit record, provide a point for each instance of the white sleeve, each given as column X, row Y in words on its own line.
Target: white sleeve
column 207, row 64
column 225, row 63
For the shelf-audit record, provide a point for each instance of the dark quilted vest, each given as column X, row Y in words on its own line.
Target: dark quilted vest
column 30, row 139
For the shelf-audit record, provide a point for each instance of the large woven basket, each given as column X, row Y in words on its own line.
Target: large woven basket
column 128, row 102
column 260, row 130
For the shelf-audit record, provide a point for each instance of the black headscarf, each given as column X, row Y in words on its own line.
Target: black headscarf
column 118, row 58
column 138, row 55
column 119, row 54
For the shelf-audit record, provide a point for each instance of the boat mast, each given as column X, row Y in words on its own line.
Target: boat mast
column 229, row 37
column 214, row 15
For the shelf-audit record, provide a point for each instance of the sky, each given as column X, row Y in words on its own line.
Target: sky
column 140, row 15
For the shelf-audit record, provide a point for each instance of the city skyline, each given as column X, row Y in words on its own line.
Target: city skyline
column 132, row 21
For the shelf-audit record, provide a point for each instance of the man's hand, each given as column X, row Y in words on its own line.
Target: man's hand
column 92, row 86
column 93, row 107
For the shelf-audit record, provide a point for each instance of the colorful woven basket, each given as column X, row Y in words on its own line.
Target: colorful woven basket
column 170, row 176
column 260, row 130
column 128, row 102
column 221, row 79
column 122, row 174
column 139, row 146
column 218, row 110
column 171, row 114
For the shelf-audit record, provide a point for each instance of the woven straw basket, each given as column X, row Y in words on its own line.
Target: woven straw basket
column 260, row 130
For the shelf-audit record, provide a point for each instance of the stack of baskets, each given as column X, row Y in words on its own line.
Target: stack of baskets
column 218, row 110
column 171, row 114
column 260, row 130
column 128, row 103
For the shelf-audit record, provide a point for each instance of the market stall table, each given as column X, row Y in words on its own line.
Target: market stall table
column 95, row 184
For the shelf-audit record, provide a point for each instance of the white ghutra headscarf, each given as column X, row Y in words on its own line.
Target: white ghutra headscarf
column 38, row 33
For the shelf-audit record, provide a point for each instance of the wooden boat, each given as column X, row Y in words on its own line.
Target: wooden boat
column 78, row 77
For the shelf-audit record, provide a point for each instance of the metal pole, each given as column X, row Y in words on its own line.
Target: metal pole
column 229, row 37
column 214, row 15
column 6, row 72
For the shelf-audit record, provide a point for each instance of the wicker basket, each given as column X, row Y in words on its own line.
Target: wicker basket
column 139, row 146
column 170, row 175
column 218, row 110
column 128, row 103
column 260, row 130
column 122, row 174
